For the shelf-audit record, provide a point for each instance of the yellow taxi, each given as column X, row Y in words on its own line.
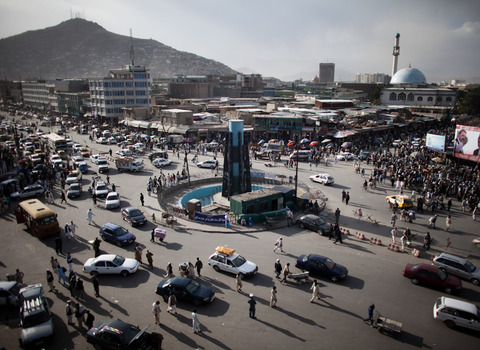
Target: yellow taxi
column 402, row 200
column 85, row 152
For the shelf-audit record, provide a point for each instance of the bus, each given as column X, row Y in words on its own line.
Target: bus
column 39, row 218
column 55, row 142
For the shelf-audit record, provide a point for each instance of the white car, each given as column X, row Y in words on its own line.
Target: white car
column 110, row 264
column 94, row 158
column 225, row 259
column 101, row 190
column 102, row 165
column 112, row 200
column 210, row 164
column 78, row 159
column 161, row 162
column 29, row 191
column 124, row 153
column 455, row 312
column 325, row 179
column 102, row 140
column 345, row 156
column 55, row 159
column 73, row 176
column 76, row 147
column 112, row 140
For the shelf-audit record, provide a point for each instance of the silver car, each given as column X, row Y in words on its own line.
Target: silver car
column 458, row 266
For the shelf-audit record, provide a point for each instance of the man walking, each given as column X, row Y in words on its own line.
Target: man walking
column 432, row 221
column 58, row 244
column 19, row 276
column 394, row 234
column 337, row 215
column 315, row 288
column 251, row 309
column 96, row 246
column 347, row 198
column 69, row 312
column 338, row 233
column 371, row 308
column 96, row 286
column 156, row 312
column 72, row 228
column 286, row 272
column 273, row 297
column 89, row 216
column 278, row 268
column 238, row 282
column 69, row 262
column 142, row 200
column 195, row 322
column 172, row 303
column 278, row 245
column 149, row 256
column 198, row 266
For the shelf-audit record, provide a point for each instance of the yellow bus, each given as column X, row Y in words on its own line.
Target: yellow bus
column 39, row 218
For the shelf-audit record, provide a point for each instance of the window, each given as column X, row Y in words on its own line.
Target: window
column 439, row 99
column 141, row 93
column 142, row 101
column 420, row 98
column 402, row 96
column 119, row 102
column 140, row 76
column 117, row 84
column 393, row 96
column 410, row 97
column 430, row 99
column 448, row 99
column 140, row 84
column 129, row 84
column 129, row 93
column 130, row 101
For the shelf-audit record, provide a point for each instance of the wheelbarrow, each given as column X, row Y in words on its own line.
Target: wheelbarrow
column 299, row 277
column 160, row 234
column 387, row 326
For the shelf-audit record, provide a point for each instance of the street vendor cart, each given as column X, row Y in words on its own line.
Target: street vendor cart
column 387, row 326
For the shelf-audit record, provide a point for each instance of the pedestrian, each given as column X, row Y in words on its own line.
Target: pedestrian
column 432, row 222
column 278, row 268
column 50, row 280
column 58, row 244
column 337, row 215
column 113, row 188
column 90, row 319
column 448, row 222
column 394, row 234
column 169, row 270
column 474, row 214
column 238, row 282
column 90, row 216
column 62, row 275
column 19, row 276
column 94, row 198
column 138, row 253
column 96, row 286
column 108, row 180
column 344, row 194
column 195, row 322
column 289, row 218
column 393, row 219
column 347, row 198
column 149, row 256
column 156, row 312
column 79, row 288
column 79, row 312
column 273, row 297
column 227, row 220
column 152, row 235
column 426, row 241
column 371, row 309
column 278, row 245
column 142, row 200
column 71, row 287
column 315, row 288
column 72, row 228
column 251, row 309
column 402, row 241
column 449, row 204
column 338, row 234
column 54, row 263
column 62, row 196
column 69, row 262
column 67, row 231
column 96, row 246
column 69, row 312
column 198, row 266
column 286, row 272
column 172, row 303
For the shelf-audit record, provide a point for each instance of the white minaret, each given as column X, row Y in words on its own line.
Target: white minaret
column 396, row 52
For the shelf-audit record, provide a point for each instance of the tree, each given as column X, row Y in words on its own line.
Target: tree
column 468, row 102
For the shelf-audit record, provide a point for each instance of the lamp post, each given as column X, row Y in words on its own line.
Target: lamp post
column 186, row 161
column 296, row 167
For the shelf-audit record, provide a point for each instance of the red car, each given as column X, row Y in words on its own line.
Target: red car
column 432, row 276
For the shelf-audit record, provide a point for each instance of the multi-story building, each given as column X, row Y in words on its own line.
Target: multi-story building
column 36, row 94
column 326, row 73
column 125, row 89
column 368, row 78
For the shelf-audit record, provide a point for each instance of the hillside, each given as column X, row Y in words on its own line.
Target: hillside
column 78, row 48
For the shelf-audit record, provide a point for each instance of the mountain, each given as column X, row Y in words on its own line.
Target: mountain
column 78, row 48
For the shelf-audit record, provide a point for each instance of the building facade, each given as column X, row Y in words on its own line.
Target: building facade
column 123, row 89
column 326, row 73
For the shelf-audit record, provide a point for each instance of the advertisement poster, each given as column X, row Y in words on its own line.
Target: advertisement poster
column 467, row 143
column 436, row 142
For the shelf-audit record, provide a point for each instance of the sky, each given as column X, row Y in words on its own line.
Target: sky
column 285, row 39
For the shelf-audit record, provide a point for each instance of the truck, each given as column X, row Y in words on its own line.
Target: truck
column 128, row 164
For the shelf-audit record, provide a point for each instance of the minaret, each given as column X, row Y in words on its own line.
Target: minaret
column 396, row 52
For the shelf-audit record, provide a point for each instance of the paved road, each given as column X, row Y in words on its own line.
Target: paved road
column 335, row 322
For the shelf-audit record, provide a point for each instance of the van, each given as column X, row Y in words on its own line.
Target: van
column 455, row 312
column 302, row 155
column 456, row 265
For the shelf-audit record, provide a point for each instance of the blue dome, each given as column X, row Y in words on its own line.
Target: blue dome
column 408, row 76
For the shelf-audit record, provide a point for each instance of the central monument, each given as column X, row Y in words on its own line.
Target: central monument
column 236, row 166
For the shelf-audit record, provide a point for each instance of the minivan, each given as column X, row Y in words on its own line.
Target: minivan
column 458, row 266
column 302, row 155
column 455, row 312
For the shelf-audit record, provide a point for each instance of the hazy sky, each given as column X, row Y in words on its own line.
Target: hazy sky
column 284, row 38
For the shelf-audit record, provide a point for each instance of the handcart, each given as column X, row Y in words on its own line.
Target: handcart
column 299, row 277
column 387, row 326
column 160, row 234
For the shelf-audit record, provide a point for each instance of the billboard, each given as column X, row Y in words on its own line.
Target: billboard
column 436, row 142
column 467, row 143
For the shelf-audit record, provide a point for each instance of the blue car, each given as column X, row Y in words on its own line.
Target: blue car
column 116, row 234
column 186, row 289
column 321, row 266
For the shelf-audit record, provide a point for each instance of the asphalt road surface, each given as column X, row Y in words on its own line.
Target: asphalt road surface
column 334, row 322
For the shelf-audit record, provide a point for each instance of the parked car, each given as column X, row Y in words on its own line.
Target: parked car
column 124, row 153
column 102, row 140
column 9, row 292
column 313, row 223
column 74, row 190
column 110, row 264
column 403, row 201
column 29, row 191
column 101, row 190
column 325, row 179
column 432, row 276
column 35, row 317
column 321, row 266
column 186, row 289
column 73, row 176
column 345, row 156
column 161, row 162
column 225, row 259
column 94, row 158
column 116, row 234
column 210, row 164
column 458, row 266
column 112, row 200
column 119, row 335
column 455, row 312
column 133, row 216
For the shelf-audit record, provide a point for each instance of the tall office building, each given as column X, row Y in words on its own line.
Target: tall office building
column 327, row 72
